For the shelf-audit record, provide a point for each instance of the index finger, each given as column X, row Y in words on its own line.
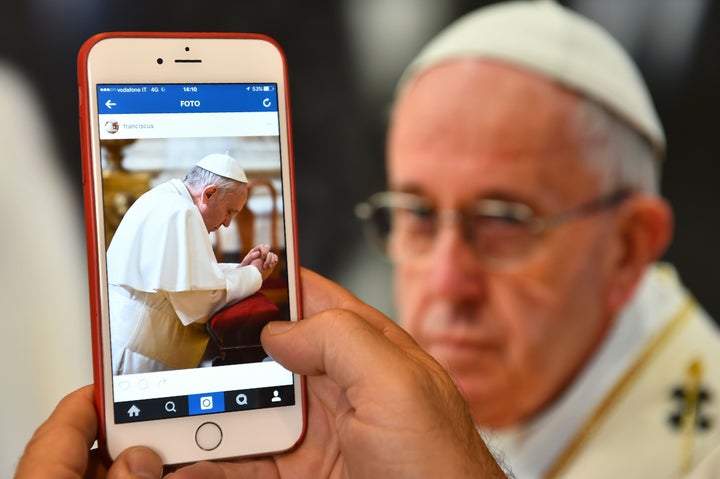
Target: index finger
column 320, row 294
column 270, row 260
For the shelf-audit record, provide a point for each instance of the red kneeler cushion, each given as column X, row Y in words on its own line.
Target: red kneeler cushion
column 239, row 324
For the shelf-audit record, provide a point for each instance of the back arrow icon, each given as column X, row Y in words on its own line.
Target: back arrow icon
column 110, row 104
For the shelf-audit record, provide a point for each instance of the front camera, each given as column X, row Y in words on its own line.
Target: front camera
column 159, row 60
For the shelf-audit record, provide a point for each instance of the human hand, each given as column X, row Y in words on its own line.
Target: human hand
column 60, row 447
column 378, row 406
column 251, row 256
column 262, row 258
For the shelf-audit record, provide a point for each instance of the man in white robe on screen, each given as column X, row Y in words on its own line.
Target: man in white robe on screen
column 164, row 280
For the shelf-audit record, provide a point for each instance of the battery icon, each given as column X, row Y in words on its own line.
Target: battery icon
column 266, row 88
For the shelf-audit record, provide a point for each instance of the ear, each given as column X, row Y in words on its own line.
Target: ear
column 644, row 229
column 208, row 193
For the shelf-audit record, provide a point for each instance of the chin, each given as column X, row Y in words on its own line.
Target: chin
column 486, row 390
column 491, row 408
column 473, row 363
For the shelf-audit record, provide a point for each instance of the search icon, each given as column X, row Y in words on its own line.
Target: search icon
column 241, row 399
column 170, row 406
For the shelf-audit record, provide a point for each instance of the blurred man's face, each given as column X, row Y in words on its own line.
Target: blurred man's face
column 512, row 338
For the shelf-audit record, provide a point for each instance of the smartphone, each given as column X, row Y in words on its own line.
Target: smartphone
column 178, row 364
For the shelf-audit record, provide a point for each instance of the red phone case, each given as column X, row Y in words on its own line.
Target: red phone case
column 91, row 212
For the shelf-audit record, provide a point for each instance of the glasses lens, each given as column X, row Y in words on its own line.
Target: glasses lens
column 376, row 222
column 404, row 226
column 381, row 222
column 400, row 224
column 498, row 239
column 413, row 233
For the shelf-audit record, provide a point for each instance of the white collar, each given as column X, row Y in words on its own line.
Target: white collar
column 182, row 190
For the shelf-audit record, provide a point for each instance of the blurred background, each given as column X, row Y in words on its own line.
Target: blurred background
column 344, row 57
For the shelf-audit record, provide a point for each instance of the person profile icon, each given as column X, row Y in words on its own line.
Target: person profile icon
column 112, row 126
column 276, row 396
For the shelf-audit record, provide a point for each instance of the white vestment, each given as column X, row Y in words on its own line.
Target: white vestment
column 165, row 283
column 646, row 405
column 709, row 468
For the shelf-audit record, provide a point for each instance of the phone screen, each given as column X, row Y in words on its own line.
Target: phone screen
column 150, row 136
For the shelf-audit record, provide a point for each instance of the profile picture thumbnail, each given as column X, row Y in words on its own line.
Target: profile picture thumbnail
column 112, row 126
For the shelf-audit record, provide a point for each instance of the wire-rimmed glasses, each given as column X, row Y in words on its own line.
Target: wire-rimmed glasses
column 500, row 233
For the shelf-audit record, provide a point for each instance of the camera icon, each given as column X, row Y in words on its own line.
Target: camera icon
column 206, row 402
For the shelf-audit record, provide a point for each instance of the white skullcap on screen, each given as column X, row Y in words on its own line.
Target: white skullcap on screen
column 224, row 165
column 547, row 38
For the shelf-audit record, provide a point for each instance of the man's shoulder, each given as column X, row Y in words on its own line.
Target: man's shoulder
column 640, row 428
column 166, row 197
column 700, row 322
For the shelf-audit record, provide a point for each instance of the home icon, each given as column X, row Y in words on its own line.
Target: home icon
column 134, row 411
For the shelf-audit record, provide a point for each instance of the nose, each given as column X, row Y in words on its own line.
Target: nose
column 453, row 270
column 228, row 220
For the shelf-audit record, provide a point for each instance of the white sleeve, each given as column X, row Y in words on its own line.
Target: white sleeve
column 197, row 306
column 242, row 281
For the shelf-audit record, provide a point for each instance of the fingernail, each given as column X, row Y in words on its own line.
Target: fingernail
column 280, row 327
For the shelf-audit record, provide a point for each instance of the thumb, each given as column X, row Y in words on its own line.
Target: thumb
column 338, row 343
column 137, row 463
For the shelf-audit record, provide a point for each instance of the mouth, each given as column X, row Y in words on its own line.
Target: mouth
column 457, row 347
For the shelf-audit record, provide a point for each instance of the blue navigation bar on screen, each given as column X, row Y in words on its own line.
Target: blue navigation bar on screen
column 187, row 98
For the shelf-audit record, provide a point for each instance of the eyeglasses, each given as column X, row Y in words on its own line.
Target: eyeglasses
column 500, row 233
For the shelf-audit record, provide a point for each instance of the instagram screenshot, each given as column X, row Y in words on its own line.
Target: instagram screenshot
column 156, row 140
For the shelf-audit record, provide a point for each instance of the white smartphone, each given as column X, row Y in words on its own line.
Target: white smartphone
column 177, row 359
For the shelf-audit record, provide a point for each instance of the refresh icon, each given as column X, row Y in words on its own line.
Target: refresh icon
column 266, row 103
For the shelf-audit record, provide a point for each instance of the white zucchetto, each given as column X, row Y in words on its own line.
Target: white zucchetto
column 554, row 41
column 224, row 165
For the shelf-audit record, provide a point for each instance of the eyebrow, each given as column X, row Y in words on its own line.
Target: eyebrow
column 497, row 194
column 410, row 188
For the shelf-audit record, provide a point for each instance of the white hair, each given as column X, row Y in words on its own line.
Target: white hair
column 622, row 158
column 198, row 178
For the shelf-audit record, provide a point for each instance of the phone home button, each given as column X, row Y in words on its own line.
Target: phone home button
column 208, row 436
